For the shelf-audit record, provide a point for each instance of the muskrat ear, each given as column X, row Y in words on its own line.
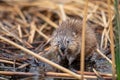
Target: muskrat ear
column 74, row 34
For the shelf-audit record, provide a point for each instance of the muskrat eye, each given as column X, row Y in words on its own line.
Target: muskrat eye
column 68, row 41
column 58, row 42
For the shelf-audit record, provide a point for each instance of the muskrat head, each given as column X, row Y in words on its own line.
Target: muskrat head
column 66, row 42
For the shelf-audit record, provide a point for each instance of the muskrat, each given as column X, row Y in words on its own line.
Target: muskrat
column 66, row 40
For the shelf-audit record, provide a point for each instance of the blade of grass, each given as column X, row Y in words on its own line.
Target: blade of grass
column 117, row 38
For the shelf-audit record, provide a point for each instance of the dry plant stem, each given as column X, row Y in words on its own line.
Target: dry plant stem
column 65, row 75
column 20, row 31
column 83, row 41
column 97, row 73
column 17, row 9
column 91, row 14
column 32, row 32
column 112, row 41
column 9, row 73
column 105, row 26
column 43, row 26
column 106, row 40
column 105, row 33
column 91, row 73
column 10, row 33
column 9, row 62
column 42, row 59
column 22, row 66
column 103, row 55
column 42, row 34
column 47, row 20
column 62, row 12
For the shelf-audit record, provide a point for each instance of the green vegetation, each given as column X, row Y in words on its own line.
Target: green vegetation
column 117, row 38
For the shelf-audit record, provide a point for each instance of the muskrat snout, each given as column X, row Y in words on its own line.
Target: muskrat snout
column 63, row 49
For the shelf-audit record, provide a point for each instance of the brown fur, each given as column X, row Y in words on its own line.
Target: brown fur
column 69, row 35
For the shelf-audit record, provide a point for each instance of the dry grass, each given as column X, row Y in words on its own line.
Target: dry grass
column 28, row 22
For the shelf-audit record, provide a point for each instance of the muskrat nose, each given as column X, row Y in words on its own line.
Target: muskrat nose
column 62, row 49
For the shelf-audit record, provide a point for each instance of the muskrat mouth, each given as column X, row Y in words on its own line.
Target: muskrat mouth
column 63, row 54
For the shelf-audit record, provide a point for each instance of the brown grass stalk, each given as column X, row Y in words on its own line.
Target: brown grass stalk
column 9, row 62
column 17, row 9
column 22, row 66
column 112, row 40
column 65, row 75
column 32, row 32
column 19, row 31
column 103, row 55
column 9, row 73
column 64, row 17
column 92, row 73
column 97, row 73
column 42, row 34
column 83, row 41
column 47, row 20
